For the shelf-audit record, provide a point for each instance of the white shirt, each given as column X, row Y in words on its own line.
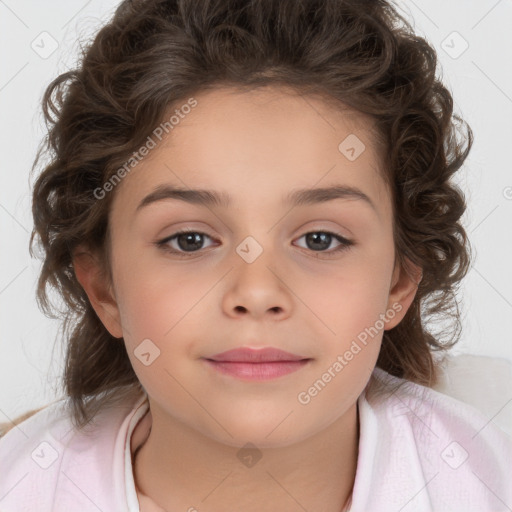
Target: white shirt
column 419, row 450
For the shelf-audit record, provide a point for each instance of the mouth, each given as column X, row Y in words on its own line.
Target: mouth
column 257, row 371
column 250, row 355
column 262, row 364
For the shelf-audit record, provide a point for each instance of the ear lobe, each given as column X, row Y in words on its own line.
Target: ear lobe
column 403, row 290
column 89, row 274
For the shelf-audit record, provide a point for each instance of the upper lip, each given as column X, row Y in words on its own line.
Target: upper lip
column 262, row 355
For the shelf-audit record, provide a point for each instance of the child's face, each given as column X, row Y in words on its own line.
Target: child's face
column 298, row 295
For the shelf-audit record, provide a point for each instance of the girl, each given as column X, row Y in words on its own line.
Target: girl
column 282, row 360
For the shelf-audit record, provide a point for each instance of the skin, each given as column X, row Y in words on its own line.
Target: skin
column 256, row 146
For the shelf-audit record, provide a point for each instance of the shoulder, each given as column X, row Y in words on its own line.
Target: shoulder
column 454, row 456
column 5, row 427
column 29, row 453
column 396, row 401
column 49, row 465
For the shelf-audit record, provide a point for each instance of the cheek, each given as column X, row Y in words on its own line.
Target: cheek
column 159, row 317
column 352, row 294
column 155, row 302
column 350, row 303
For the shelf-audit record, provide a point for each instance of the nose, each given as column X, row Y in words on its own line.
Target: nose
column 258, row 289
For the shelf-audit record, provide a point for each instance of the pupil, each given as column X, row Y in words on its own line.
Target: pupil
column 195, row 240
column 319, row 240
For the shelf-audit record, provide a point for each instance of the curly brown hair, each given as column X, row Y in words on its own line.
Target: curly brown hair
column 153, row 54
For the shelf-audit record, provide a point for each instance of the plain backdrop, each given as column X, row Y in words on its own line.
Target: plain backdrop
column 39, row 40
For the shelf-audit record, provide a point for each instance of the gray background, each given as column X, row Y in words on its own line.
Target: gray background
column 479, row 77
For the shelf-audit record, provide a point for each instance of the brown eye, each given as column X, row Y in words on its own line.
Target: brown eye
column 189, row 241
column 318, row 241
column 183, row 242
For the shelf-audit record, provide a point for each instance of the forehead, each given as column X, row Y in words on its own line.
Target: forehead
column 265, row 113
column 259, row 144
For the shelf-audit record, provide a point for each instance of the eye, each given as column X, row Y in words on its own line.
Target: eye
column 187, row 241
column 317, row 241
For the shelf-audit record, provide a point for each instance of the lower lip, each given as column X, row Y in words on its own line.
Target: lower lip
column 257, row 371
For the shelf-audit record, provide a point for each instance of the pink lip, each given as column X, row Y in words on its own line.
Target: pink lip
column 252, row 364
column 257, row 371
column 249, row 355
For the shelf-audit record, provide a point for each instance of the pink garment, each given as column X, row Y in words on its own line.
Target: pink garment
column 419, row 451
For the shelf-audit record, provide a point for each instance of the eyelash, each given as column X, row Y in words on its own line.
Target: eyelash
column 163, row 244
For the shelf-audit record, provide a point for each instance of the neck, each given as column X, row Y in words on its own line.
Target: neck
column 179, row 468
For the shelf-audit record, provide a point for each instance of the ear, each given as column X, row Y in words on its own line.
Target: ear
column 89, row 273
column 404, row 285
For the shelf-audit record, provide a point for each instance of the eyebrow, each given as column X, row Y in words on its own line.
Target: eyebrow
column 221, row 199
